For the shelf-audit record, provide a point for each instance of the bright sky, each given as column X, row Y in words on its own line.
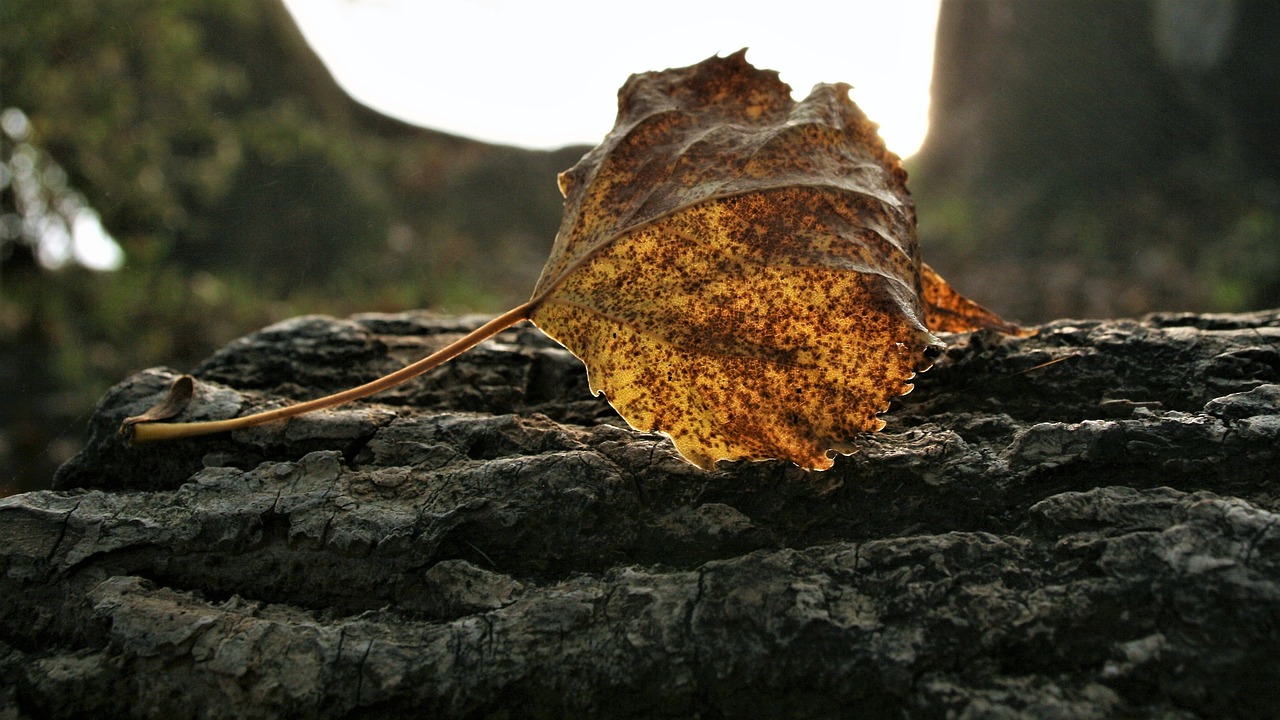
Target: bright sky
column 545, row 73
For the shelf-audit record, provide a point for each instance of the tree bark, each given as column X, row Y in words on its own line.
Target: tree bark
column 1076, row 524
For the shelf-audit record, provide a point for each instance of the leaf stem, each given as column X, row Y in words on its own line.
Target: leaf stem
column 146, row 431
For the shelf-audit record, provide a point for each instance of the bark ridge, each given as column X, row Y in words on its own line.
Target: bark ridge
column 1088, row 538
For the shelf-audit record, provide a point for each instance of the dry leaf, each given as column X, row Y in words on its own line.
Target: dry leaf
column 181, row 390
column 737, row 270
column 740, row 271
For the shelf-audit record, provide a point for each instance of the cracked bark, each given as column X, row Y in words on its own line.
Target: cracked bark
column 1089, row 538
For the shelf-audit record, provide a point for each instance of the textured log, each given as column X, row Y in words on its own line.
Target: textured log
column 1089, row 538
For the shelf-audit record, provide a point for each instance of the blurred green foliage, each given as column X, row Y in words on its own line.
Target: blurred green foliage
column 243, row 185
column 195, row 128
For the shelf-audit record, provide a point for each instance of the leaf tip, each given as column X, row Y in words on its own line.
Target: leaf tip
column 178, row 397
column 181, row 390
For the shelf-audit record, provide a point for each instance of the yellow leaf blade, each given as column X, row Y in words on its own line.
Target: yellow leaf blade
column 800, row 364
column 738, row 270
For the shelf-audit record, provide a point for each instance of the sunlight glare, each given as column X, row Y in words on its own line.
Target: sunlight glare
column 545, row 74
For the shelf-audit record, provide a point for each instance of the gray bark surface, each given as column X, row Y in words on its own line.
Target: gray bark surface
column 1090, row 538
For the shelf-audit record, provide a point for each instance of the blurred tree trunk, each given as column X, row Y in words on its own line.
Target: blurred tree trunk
column 1123, row 151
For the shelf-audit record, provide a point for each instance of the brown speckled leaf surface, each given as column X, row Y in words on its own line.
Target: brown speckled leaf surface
column 738, row 270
